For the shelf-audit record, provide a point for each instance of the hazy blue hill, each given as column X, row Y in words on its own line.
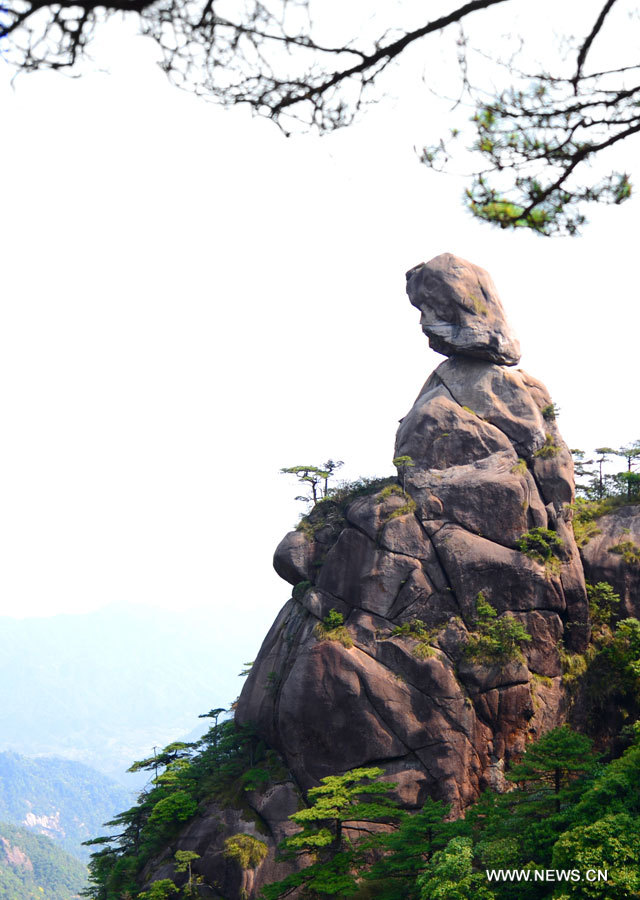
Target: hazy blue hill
column 62, row 799
column 105, row 687
column 32, row 866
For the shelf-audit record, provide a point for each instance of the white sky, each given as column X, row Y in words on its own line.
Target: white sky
column 190, row 301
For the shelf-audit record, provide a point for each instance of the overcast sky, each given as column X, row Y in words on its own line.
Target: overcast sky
column 191, row 301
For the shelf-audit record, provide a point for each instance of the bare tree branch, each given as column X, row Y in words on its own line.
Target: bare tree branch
column 582, row 53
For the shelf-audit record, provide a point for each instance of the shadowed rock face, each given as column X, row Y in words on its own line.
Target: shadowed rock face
column 488, row 467
column 601, row 563
column 461, row 312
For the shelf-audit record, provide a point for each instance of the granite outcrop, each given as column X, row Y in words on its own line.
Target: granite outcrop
column 489, row 466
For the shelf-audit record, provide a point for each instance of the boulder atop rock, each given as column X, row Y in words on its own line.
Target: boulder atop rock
column 461, row 312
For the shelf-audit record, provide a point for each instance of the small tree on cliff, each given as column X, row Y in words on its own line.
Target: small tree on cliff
column 317, row 477
column 159, row 890
column 340, row 805
column 629, row 480
column 183, row 860
column 402, row 463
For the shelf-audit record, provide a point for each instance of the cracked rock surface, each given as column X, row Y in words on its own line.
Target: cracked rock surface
column 490, row 465
column 461, row 311
column 603, row 560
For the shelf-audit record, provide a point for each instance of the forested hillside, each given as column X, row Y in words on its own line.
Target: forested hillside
column 65, row 800
column 32, row 867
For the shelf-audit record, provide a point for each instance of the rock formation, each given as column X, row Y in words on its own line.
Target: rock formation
column 604, row 557
column 406, row 564
column 490, row 466
column 461, row 312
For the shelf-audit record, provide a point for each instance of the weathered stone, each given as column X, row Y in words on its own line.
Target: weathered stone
column 497, row 395
column 206, row 834
column 461, row 312
column 320, row 604
column 577, row 630
column 602, row 564
column 361, row 574
column 327, row 718
column 508, row 579
column 541, row 653
column 399, row 688
column 497, row 483
column 369, row 514
column 294, row 557
column 437, row 432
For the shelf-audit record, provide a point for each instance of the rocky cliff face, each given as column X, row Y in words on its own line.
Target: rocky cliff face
column 489, row 467
column 478, row 518
column 613, row 555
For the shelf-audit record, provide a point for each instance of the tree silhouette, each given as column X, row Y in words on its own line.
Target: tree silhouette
column 535, row 140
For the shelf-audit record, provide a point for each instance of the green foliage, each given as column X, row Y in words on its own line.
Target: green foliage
column 226, row 764
column 401, row 854
column 332, row 628
column 542, row 545
column 81, row 798
column 244, row 849
column 603, row 602
column 300, row 589
column 520, row 467
column 536, row 130
column 348, row 491
column 403, row 463
column 159, row 890
column 550, row 412
column 183, row 859
column 616, row 789
column 612, row 843
column 616, row 668
column 495, row 639
column 177, row 807
column 585, row 513
column 629, row 485
column 328, row 514
column 330, row 877
column 316, row 477
column 629, row 551
column 405, row 510
column 418, row 631
column 574, row 666
column 31, row 862
column 273, row 683
column 354, row 798
column 564, row 812
column 549, row 449
column 333, row 619
column 391, row 490
column 450, row 876
column 611, row 488
column 548, row 767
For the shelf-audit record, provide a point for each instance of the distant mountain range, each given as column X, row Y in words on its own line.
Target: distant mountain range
column 65, row 800
column 32, row 867
column 104, row 688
